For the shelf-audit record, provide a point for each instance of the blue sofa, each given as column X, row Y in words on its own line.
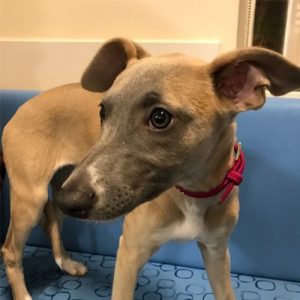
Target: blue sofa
column 264, row 247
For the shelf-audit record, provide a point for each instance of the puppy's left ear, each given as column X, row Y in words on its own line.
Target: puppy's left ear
column 241, row 77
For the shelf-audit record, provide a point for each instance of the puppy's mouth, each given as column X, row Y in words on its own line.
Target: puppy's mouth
column 113, row 209
column 77, row 213
column 100, row 212
column 108, row 208
column 108, row 212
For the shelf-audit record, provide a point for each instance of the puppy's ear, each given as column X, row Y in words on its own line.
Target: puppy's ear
column 112, row 58
column 240, row 77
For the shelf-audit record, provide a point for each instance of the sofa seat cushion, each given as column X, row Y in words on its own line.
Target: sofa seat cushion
column 156, row 281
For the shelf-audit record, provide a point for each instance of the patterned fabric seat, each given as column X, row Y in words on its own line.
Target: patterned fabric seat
column 156, row 281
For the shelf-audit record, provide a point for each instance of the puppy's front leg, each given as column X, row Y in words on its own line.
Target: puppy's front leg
column 130, row 259
column 217, row 262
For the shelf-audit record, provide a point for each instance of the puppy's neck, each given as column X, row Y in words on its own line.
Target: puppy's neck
column 219, row 160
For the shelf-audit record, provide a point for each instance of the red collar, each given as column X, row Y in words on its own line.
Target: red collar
column 233, row 177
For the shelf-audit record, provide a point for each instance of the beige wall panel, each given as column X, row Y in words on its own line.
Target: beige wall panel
column 44, row 43
column 138, row 19
column 42, row 65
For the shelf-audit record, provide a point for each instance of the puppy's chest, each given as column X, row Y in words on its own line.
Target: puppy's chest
column 191, row 225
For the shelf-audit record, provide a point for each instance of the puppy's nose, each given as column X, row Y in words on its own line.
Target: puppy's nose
column 80, row 204
column 76, row 202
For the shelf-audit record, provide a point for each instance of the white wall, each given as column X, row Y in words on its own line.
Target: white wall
column 39, row 36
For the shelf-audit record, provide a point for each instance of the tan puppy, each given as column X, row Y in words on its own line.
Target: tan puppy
column 166, row 120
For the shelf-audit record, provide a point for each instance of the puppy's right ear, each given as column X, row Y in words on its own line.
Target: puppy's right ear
column 112, row 58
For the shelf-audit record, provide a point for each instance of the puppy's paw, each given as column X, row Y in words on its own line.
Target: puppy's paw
column 72, row 267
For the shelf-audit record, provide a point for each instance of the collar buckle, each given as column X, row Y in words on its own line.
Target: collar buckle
column 238, row 149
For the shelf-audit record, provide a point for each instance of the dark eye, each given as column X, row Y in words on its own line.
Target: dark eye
column 160, row 118
column 102, row 112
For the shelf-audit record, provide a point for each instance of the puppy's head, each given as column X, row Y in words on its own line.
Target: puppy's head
column 161, row 119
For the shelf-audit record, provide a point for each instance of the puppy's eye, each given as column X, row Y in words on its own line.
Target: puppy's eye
column 102, row 112
column 160, row 118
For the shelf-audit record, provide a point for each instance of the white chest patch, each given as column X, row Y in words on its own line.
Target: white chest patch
column 190, row 227
column 190, row 230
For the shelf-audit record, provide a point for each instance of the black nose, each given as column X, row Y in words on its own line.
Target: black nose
column 76, row 202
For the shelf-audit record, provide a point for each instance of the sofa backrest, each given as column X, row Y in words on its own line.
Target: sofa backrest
column 266, row 241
